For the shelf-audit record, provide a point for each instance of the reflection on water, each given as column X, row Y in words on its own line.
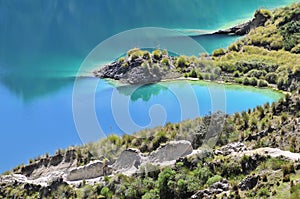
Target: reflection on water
column 27, row 89
column 144, row 92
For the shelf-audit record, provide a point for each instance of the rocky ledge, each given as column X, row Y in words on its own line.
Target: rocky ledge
column 260, row 17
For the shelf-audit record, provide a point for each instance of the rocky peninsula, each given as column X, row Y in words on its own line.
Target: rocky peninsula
column 260, row 18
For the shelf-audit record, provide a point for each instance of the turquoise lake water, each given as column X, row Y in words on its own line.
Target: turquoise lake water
column 43, row 43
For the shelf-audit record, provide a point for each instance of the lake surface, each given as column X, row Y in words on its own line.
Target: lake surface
column 43, row 43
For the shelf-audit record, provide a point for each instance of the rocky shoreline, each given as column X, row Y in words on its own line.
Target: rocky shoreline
column 260, row 17
column 134, row 69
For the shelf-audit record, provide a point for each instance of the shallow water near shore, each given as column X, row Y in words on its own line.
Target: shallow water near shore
column 42, row 45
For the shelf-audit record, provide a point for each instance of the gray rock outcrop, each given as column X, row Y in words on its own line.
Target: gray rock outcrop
column 249, row 182
column 128, row 159
column 231, row 148
column 47, row 165
column 216, row 188
column 171, row 151
column 91, row 170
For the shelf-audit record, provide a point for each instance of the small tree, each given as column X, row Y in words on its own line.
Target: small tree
column 157, row 54
column 181, row 62
column 193, row 74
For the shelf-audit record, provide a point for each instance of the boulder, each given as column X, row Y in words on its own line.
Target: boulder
column 216, row 188
column 91, row 170
column 128, row 159
column 171, row 151
column 222, row 185
column 249, row 182
column 231, row 148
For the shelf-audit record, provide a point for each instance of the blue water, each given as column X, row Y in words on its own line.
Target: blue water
column 43, row 43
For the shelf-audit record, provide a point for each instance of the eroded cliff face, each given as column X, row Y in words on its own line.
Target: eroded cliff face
column 63, row 167
column 47, row 165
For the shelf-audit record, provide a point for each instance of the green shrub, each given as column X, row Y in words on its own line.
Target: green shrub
column 263, row 192
column 218, row 52
column 133, row 51
column 286, row 178
column 213, row 76
column 280, row 83
column 262, row 83
column 200, row 76
column 271, row 78
column 157, row 54
column 206, row 76
column 295, row 191
column 246, row 81
column 213, row 180
column 152, row 194
column 193, row 74
column 256, row 73
column 165, row 183
column 121, row 59
column 227, row 67
column 236, row 74
column 160, row 137
column 289, row 32
column 181, row 62
column 239, row 80
column 115, row 139
column 276, row 45
column 231, row 169
column 253, row 81
column 296, row 49
column 275, row 163
column 288, row 169
column 105, row 192
column 125, row 65
column 165, row 61
column 264, row 12
column 233, row 47
column 164, row 52
column 146, row 55
column 203, row 174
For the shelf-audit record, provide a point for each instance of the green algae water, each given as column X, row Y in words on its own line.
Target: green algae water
column 43, row 43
